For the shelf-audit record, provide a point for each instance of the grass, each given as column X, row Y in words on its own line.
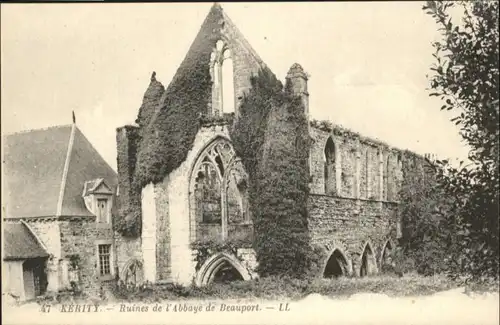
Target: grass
column 292, row 289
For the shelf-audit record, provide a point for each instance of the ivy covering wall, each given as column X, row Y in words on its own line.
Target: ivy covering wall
column 271, row 137
column 167, row 132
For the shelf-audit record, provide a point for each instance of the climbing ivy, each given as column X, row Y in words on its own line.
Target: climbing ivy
column 206, row 248
column 271, row 137
column 167, row 133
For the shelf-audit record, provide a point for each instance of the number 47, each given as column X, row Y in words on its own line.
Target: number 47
column 45, row 308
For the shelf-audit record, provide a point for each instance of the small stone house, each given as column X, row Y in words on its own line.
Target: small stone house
column 59, row 197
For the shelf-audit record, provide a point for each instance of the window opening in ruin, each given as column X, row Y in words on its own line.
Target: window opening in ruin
column 218, row 160
column 330, row 168
column 223, row 79
column 219, row 193
column 208, row 193
column 227, row 83
column 336, row 266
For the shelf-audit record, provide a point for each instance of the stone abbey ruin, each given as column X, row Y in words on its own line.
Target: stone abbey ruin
column 183, row 183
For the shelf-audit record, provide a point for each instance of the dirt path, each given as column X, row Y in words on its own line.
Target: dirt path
column 450, row 307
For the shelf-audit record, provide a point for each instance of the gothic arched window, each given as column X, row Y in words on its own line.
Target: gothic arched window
column 330, row 168
column 223, row 95
column 219, row 191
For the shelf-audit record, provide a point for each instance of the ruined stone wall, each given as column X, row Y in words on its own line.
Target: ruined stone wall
column 126, row 140
column 162, row 232
column 368, row 169
column 126, row 250
column 348, row 225
column 246, row 61
column 183, row 269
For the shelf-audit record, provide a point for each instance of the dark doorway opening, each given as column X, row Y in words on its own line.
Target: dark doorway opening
column 336, row 266
column 226, row 273
column 35, row 279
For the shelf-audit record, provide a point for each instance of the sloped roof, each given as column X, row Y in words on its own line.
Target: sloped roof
column 21, row 243
column 45, row 171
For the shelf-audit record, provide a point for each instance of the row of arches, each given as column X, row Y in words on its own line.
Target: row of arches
column 379, row 183
column 223, row 267
column 338, row 265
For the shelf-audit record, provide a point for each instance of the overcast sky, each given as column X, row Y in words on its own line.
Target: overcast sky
column 367, row 63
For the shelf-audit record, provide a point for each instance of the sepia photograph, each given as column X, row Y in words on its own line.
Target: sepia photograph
column 250, row 163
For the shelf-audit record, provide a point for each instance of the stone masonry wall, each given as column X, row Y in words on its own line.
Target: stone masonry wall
column 246, row 61
column 80, row 236
column 348, row 225
column 163, row 258
column 48, row 232
column 126, row 250
column 369, row 169
column 126, row 139
column 182, row 267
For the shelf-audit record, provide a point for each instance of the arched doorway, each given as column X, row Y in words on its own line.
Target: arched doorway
column 336, row 265
column 386, row 262
column 223, row 268
column 226, row 273
column 368, row 263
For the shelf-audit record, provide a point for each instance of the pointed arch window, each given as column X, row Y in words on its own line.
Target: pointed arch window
column 330, row 168
column 222, row 70
column 219, row 191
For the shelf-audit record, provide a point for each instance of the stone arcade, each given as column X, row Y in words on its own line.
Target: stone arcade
column 354, row 183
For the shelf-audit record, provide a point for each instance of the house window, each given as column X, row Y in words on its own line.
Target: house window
column 102, row 210
column 104, row 259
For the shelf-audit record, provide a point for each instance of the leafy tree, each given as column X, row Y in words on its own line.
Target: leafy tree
column 465, row 77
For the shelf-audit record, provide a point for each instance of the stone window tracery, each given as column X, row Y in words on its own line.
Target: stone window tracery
column 219, row 189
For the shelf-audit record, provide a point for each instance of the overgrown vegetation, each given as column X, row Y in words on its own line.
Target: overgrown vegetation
column 274, row 288
column 207, row 248
column 167, row 132
column 423, row 211
column 271, row 137
column 457, row 230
